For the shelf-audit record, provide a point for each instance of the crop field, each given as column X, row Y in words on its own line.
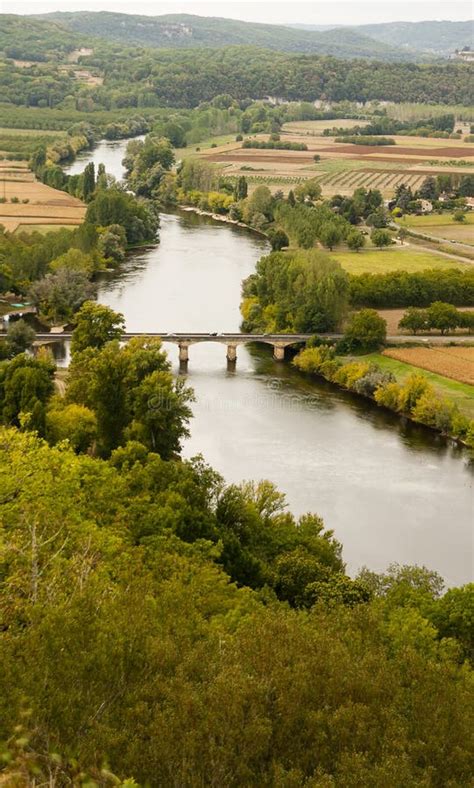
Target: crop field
column 401, row 258
column 452, row 362
column 343, row 168
column 38, row 205
column 316, row 127
column 443, row 226
column 459, row 392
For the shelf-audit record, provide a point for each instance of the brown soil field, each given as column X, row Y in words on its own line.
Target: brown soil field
column 456, row 363
column 45, row 206
column 297, row 157
column 393, row 317
column 398, row 150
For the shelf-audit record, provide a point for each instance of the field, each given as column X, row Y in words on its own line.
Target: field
column 393, row 317
column 451, row 362
column 443, row 226
column 316, row 127
column 459, row 392
column 402, row 258
column 342, row 168
column 39, row 205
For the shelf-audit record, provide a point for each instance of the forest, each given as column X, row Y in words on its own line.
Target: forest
column 185, row 78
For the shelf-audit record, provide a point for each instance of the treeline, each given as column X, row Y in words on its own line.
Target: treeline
column 439, row 316
column 139, row 587
column 403, row 289
column 363, row 139
column 274, row 145
column 438, row 126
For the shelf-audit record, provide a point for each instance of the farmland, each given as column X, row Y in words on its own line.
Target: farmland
column 452, row 362
column 343, row 168
column 461, row 393
column 403, row 258
column 38, row 204
column 443, row 227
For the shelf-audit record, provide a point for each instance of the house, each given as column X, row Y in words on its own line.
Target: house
column 470, row 203
column 426, row 206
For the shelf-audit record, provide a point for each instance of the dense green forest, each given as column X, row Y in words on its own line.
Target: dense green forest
column 139, row 77
column 162, row 627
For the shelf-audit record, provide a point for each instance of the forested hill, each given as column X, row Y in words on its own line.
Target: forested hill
column 186, row 31
column 441, row 37
column 35, row 39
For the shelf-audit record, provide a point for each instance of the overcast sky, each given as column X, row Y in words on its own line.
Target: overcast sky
column 342, row 12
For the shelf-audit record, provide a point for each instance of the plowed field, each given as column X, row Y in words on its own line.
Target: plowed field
column 452, row 362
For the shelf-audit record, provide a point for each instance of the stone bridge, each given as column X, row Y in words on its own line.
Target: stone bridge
column 184, row 340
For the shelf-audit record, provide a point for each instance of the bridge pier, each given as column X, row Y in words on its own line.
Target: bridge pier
column 183, row 352
column 278, row 353
column 232, row 353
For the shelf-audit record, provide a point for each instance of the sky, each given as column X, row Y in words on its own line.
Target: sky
column 341, row 12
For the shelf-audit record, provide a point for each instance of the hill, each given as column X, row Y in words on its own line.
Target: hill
column 437, row 37
column 188, row 31
column 34, row 39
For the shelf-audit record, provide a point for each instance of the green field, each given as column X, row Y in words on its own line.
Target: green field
column 43, row 228
column 381, row 261
column 460, row 393
column 435, row 220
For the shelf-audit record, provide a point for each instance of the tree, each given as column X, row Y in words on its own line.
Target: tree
column 74, row 260
column 95, row 325
column 403, row 196
column 466, row 187
column 377, row 219
column 26, row 385
column 414, row 320
column 291, row 198
column 459, row 216
column 309, row 189
column 137, row 216
column 259, row 202
column 330, row 235
column 279, row 240
column 355, row 240
column 111, row 244
column 380, row 238
column 132, row 393
column 58, row 295
column 241, row 189
column 428, row 189
column 366, row 330
column 20, row 337
column 443, row 317
column 88, row 182
column 74, row 423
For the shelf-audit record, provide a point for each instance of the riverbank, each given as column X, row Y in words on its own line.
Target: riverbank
column 414, row 398
column 219, row 217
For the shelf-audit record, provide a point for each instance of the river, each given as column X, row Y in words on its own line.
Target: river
column 391, row 491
